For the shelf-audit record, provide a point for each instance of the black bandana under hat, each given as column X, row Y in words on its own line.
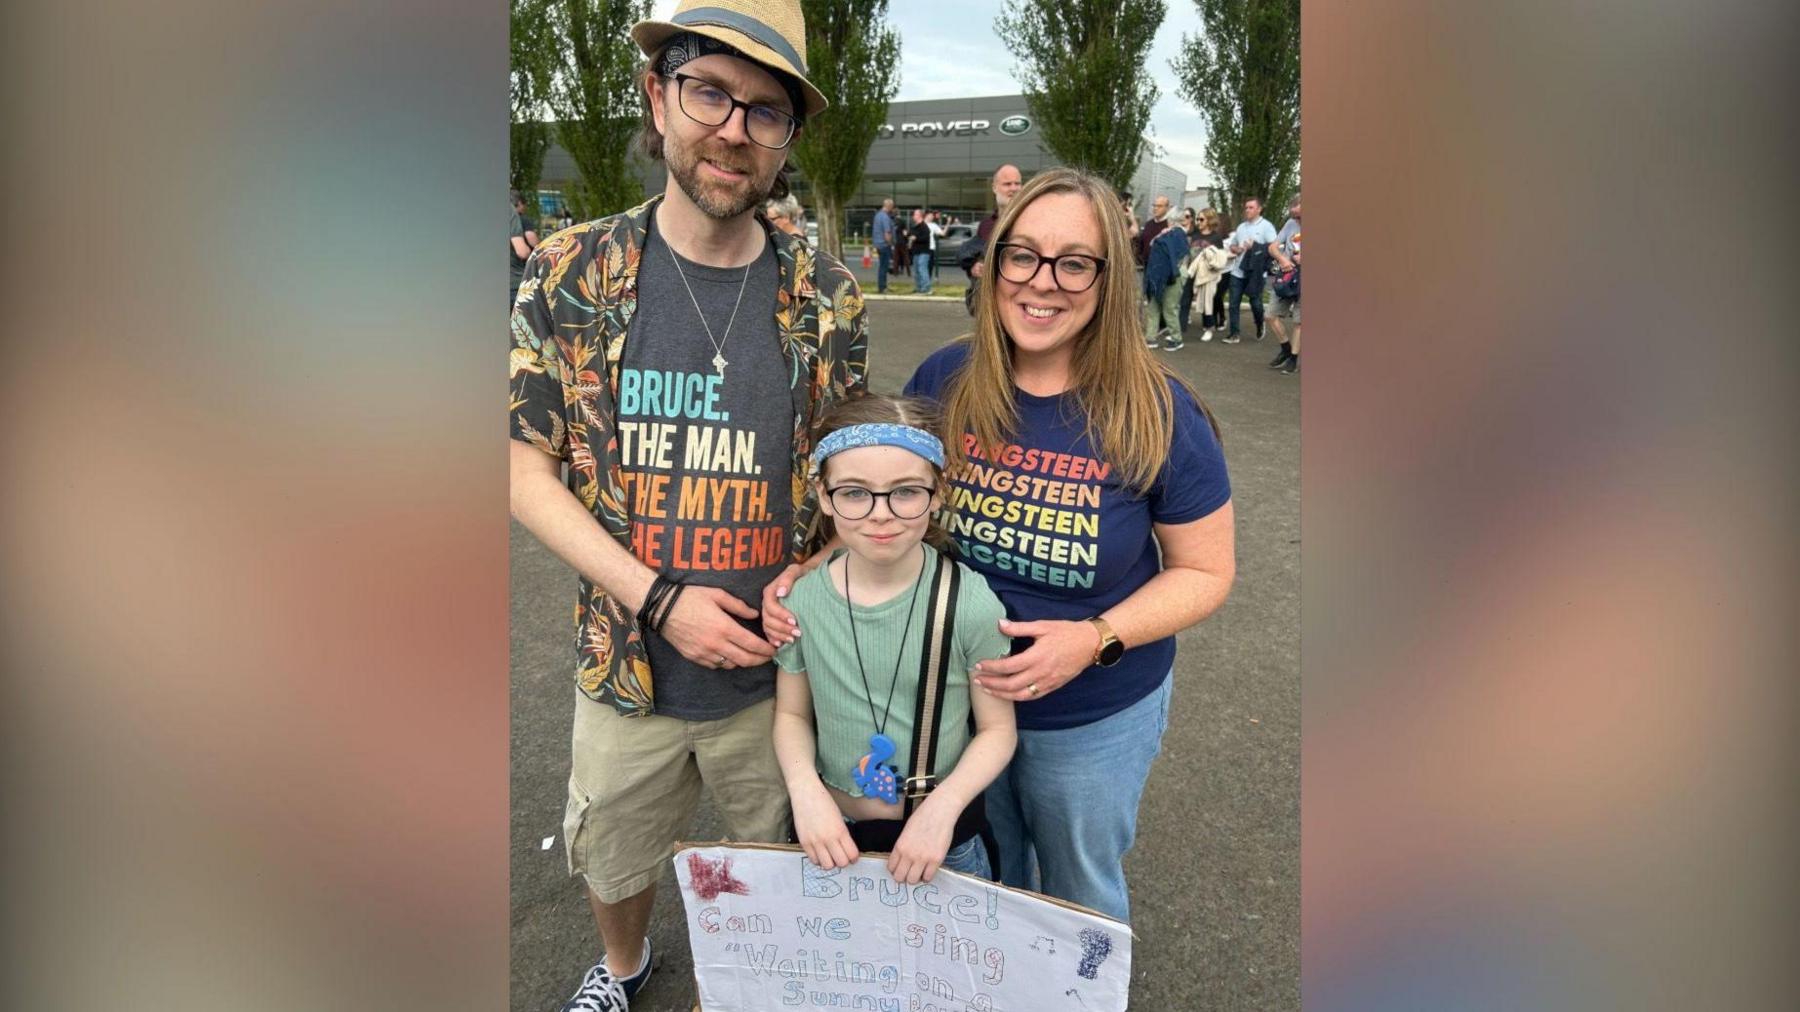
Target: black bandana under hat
column 688, row 46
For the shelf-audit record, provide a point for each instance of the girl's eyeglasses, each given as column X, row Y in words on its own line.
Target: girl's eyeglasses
column 853, row 502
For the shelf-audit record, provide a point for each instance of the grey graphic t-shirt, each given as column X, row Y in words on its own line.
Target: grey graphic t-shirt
column 707, row 455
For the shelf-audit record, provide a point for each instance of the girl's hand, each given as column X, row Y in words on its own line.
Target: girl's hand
column 779, row 625
column 923, row 843
column 822, row 831
column 1060, row 651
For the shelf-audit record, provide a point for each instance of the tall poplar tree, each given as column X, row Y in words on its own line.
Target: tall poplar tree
column 530, row 134
column 854, row 58
column 589, row 80
column 1082, row 64
column 1243, row 75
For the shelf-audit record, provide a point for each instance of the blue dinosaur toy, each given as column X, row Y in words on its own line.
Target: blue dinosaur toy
column 874, row 774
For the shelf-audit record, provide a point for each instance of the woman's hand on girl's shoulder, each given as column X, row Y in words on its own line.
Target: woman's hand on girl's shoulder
column 1059, row 651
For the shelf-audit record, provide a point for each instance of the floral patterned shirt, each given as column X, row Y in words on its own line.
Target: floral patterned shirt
column 570, row 322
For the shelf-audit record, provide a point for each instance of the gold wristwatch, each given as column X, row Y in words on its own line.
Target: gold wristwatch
column 1110, row 649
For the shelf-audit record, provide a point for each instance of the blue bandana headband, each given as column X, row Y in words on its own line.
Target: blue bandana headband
column 905, row 437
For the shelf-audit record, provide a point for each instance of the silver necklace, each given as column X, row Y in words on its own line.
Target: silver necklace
column 718, row 343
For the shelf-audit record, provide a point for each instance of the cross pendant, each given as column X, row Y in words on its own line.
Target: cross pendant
column 719, row 363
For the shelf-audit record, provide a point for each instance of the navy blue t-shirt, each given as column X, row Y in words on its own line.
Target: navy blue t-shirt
column 1058, row 536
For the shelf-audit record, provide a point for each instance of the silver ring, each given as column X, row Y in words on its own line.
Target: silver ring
column 722, row 663
column 1032, row 688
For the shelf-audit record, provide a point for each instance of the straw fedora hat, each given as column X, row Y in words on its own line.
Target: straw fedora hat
column 769, row 32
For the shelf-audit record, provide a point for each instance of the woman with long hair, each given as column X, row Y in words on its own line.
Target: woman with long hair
column 1211, row 232
column 1088, row 486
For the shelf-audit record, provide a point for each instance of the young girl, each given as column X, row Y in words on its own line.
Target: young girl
column 855, row 675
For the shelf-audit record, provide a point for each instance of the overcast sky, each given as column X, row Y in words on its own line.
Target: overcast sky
column 948, row 49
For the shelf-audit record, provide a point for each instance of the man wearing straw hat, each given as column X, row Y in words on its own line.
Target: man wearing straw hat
column 646, row 347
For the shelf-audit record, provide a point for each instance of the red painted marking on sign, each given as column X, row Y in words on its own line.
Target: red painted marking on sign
column 710, row 878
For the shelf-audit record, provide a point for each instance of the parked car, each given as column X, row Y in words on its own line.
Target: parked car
column 950, row 243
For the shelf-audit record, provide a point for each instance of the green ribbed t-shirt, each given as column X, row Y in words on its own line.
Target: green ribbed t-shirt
column 826, row 655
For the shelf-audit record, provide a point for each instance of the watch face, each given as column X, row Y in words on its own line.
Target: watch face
column 1110, row 653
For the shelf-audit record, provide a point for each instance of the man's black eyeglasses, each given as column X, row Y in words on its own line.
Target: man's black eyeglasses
column 1072, row 272
column 710, row 105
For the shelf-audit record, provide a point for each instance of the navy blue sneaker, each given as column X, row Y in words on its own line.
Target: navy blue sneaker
column 600, row 991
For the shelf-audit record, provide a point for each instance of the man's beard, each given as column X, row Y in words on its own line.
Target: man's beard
column 715, row 198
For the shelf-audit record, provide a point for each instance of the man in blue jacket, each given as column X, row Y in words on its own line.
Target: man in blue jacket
column 1162, row 288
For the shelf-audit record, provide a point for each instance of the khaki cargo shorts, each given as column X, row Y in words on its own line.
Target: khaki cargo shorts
column 635, row 782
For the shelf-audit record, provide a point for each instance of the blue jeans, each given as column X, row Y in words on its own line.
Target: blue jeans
column 1241, row 287
column 970, row 859
column 884, row 258
column 922, row 272
column 1065, row 810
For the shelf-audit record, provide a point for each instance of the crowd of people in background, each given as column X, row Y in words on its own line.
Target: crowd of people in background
column 1200, row 265
column 1191, row 266
column 1210, row 273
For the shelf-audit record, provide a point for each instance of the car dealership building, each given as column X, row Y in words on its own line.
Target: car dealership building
column 940, row 154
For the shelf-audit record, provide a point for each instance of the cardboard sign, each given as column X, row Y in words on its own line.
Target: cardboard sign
column 771, row 930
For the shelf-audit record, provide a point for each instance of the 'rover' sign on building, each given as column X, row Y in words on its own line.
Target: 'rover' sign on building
column 932, row 128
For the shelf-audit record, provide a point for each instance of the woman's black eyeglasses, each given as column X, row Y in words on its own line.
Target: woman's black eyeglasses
column 1072, row 272
column 853, row 502
column 710, row 105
